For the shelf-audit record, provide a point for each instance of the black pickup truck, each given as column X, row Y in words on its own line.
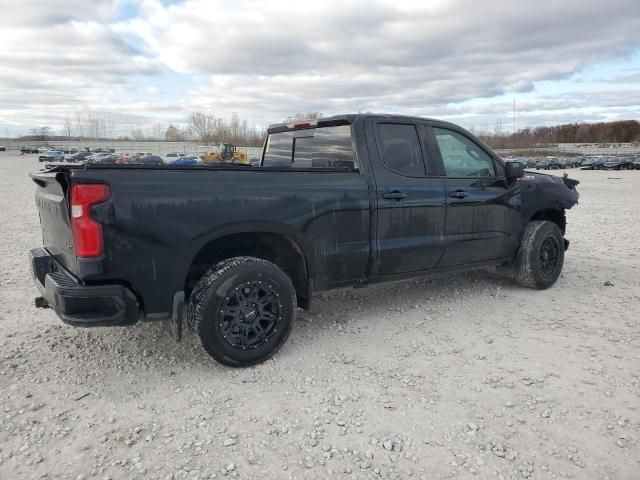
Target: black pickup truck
column 343, row 201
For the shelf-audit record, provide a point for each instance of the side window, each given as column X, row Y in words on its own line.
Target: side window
column 401, row 152
column 322, row 147
column 462, row 157
column 333, row 148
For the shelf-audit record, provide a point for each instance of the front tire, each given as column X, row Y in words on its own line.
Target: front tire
column 242, row 310
column 541, row 255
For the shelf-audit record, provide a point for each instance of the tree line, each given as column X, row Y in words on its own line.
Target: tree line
column 200, row 127
column 209, row 129
column 82, row 127
column 623, row 131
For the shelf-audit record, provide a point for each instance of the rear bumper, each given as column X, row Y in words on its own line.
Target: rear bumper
column 77, row 304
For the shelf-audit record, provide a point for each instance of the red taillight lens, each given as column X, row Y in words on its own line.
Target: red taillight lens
column 87, row 233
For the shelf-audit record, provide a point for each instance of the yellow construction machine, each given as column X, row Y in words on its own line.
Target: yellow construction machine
column 226, row 153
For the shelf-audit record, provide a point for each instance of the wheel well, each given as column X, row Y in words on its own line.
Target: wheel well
column 272, row 247
column 555, row 215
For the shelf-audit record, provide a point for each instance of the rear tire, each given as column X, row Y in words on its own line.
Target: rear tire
column 541, row 255
column 242, row 310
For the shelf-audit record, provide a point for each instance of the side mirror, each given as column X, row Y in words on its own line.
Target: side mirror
column 514, row 170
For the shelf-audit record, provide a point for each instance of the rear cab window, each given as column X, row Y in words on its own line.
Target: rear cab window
column 320, row 147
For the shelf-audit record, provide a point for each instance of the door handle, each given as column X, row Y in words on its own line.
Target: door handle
column 458, row 194
column 395, row 195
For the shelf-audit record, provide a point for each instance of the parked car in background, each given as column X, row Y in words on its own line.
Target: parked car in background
column 102, row 150
column 542, row 164
column 102, row 158
column 3, row 148
column 592, row 163
column 554, row 164
column 549, row 163
column 52, row 156
column 170, row 157
column 28, row 149
column 185, row 160
column 124, row 159
column 617, row 163
column 151, row 161
column 78, row 157
column 587, row 163
column 43, row 149
column 635, row 164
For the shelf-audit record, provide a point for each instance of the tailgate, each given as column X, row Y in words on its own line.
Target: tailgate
column 52, row 193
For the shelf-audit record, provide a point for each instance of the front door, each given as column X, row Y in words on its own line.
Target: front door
column 410, row 204
column 483, row 208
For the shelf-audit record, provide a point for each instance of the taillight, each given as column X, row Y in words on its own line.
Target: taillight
column 87, row 233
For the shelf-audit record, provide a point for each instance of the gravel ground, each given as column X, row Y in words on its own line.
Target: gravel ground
column 468, row 376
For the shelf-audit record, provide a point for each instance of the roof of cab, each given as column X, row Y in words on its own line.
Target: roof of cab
column 345, row 119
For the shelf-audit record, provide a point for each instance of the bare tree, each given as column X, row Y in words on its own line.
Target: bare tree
column 175, row 134
column 203, row 126
column 81, row 127
column 209, row 129
column 157, row 132
column 137, row 133
column 67, row 128
column 99, row 126
column 304, row 116
column 234, row 128
column 41, row 132
column 109, row 127
column 94, row 126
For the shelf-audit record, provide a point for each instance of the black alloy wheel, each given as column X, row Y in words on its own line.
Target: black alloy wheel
column 250, row 314
column 549, row 254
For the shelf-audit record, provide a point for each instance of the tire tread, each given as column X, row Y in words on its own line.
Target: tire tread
column 197, row 304
column 526, row 263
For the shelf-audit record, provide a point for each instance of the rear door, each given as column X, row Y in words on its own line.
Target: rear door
column 410, row 201
column 483, row 209
column 55, row 222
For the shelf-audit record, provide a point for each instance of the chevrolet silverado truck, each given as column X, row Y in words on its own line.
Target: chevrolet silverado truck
column 343, row 201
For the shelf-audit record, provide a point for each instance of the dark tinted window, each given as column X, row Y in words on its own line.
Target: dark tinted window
column 279, row 150
column 303, row 152
column 323, row 147
column 332, row 147
column 461, row 156
column 401, row 151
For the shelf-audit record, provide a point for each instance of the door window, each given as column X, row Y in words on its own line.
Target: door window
column 401, row 151
column 461, row 156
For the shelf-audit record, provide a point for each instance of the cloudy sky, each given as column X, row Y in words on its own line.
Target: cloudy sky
column 146, row 62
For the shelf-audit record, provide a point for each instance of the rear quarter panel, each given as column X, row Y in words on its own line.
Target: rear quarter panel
column 158, row 220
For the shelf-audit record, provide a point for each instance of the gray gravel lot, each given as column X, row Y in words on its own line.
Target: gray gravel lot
column 467, row 376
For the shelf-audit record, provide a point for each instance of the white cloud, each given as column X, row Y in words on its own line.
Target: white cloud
column 268, row 59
